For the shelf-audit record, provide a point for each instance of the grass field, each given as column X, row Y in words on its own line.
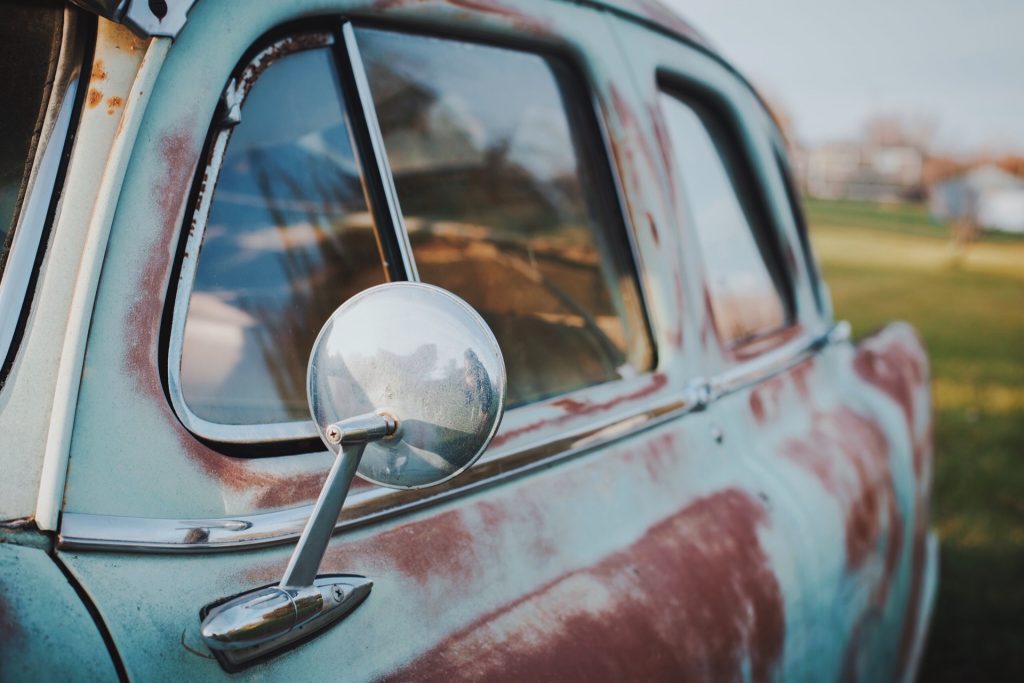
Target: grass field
column 968, row 304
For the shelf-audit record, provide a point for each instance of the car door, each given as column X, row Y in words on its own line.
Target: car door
column 289, row 156
column 811, row 413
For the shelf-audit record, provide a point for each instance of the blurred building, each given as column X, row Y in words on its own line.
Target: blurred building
column 986, row 196
column 862, row 171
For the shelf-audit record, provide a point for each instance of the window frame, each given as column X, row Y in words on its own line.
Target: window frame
column 725, row 127
column 300, row 436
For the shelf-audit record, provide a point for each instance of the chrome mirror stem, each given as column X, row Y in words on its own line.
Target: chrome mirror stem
column 351, row 435
column 261, row 621
column 306, row 558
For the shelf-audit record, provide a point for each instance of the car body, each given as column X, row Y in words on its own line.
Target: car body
column 730, row 490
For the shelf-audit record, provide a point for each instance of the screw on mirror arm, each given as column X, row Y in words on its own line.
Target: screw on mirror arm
column 352, row 435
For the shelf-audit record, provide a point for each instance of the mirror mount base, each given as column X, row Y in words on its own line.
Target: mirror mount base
column 257, row 623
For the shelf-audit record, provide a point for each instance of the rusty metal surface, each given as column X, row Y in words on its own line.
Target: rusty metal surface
column 780, row 533
column 26, row 401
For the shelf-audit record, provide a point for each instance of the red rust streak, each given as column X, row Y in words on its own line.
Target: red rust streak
column 574, row 408
column 849, row 455
column 144, row 319
column 694, row 599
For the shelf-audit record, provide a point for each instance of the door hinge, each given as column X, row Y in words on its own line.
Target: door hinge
column 146, row 18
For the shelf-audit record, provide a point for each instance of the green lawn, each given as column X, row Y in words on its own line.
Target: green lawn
column 883, row 263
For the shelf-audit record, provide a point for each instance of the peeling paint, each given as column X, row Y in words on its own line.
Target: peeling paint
column 694, row 599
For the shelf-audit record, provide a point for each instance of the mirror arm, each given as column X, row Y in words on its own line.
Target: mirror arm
column 243, row 629
column 351, row 435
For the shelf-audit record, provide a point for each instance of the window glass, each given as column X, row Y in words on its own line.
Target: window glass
column 30, row 36
column 289, row 237
column 746, row 297
column 508, row 204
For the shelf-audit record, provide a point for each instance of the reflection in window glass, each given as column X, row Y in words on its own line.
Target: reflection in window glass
column 745, row 300
column 288, row 239
column 506, row 205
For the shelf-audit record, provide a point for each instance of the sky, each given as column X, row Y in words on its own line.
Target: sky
column 956, row 65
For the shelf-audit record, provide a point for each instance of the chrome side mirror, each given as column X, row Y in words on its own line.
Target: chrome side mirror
column 406, row 385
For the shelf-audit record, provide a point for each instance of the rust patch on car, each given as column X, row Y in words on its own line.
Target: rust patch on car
column 676, row 334
column 694, row 598
column 144, row 317
column 664, row 142
column 893, row 368
column 849, row 454
column 146, row 311
column 653, row 227
column 93, row 99
column 573, row 408
column 113, row 102
column 630, row 123
column 99, row 73
column 765, row 399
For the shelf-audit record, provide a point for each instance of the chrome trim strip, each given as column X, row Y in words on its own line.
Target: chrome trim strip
column 82, row 531
column 235, row 95
column 49, row 151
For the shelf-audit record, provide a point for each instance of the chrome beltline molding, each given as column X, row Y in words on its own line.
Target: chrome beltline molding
column 83, row 531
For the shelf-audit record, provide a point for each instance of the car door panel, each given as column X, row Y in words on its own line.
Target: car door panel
column 626, row 530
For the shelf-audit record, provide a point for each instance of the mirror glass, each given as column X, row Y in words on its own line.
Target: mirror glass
column 422, row 355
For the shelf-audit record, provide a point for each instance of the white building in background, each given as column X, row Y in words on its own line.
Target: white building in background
column 856, row 170
column 987, row 196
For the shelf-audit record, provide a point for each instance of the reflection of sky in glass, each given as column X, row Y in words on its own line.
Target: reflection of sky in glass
column 743, row 294
column 288, row 239
column 463, row 123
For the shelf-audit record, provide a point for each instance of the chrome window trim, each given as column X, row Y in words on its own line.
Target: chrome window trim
column 83, row 531
column 377, row 151
column 31, row 222
column 234, row 95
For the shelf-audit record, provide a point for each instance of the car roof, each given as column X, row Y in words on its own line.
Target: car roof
column 657, row 14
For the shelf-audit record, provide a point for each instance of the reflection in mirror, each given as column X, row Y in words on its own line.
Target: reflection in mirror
column 422, row 356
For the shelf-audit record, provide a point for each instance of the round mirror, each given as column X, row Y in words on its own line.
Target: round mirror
column 425, row 357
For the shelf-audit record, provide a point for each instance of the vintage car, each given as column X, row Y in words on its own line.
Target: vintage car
column 536, row 270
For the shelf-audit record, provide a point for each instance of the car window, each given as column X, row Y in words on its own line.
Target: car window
column 745, row 288
column 505, row 198
column 288, row 238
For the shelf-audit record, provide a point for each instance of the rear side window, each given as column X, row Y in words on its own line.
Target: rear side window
column 506, row 201
column 746, row 290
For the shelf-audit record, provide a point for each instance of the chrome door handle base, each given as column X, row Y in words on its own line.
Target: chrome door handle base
column 247, row 628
